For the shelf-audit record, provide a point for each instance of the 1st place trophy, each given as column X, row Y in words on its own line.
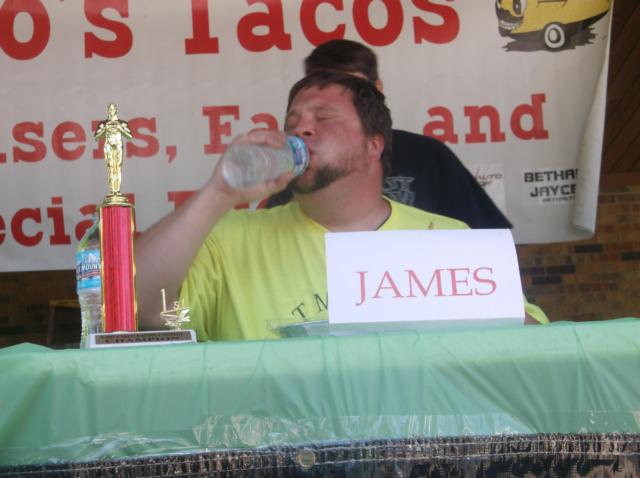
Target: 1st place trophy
column 117, row 228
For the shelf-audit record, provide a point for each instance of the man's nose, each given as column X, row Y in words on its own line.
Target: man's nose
column 303, row 128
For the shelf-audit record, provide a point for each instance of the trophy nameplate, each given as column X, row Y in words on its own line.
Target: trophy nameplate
column 128, row 339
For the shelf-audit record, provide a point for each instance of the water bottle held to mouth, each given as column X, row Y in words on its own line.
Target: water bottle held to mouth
column 245, row 165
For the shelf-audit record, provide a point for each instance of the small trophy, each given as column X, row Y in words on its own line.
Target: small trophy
column 119, row 320
column 174, row 318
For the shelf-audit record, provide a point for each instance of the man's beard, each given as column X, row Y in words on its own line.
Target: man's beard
column 323, row 178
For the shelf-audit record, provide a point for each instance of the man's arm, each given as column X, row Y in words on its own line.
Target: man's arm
column 165, row 251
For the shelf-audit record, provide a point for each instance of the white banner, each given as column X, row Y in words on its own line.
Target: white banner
column 525, row 116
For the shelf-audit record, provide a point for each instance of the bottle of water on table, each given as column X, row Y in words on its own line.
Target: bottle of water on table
column 245, row 165
column 88, row 282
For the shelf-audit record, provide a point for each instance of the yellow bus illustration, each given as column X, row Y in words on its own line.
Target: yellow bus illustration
column 555, row 20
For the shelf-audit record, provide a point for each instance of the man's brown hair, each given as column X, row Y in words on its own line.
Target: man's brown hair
column 368, row 101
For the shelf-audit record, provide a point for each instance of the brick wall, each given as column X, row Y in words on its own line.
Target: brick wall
column 24, row 303
column 596, row 279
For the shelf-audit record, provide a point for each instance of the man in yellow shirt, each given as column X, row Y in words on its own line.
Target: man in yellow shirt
column 241, row 270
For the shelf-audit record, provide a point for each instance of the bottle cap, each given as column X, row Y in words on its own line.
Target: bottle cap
column 300, row 154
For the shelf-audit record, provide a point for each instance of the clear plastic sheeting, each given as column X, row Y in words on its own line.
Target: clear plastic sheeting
column 81, row 406
column 541, row 455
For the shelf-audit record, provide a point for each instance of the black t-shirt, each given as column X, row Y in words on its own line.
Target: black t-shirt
column 426, row 174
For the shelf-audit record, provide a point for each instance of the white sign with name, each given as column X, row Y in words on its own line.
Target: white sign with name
column 424, row 275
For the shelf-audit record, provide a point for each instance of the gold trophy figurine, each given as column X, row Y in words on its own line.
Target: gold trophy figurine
column 112, row 129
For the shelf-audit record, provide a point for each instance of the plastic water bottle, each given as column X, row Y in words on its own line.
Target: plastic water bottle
column 245, row 165
column 88, row 283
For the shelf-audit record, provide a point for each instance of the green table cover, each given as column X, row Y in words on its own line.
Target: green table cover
column 59, row 406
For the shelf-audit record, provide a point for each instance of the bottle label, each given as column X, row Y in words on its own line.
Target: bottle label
column 88, row 269
column 300, row 154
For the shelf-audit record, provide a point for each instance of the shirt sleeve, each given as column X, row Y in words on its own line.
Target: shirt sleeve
column 536, row 312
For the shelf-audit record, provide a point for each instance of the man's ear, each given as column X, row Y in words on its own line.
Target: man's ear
column 375, row 146
column 380, row 86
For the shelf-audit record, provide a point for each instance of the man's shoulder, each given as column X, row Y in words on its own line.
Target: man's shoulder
column 250, row 216
column 403, row 138
column 241, row 229
column 418, row 152
column 409, row 136
column 409, row 217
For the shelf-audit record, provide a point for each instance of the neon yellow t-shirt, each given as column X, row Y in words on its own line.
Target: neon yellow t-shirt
column 264, row 268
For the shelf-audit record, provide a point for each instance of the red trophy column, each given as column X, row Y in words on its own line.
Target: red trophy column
column 118, row 270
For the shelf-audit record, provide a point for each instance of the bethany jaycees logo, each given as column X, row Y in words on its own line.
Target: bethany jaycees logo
column 551, row 185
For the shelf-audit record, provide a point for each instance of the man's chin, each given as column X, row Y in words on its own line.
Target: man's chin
column 300, row 186
column 309, row 184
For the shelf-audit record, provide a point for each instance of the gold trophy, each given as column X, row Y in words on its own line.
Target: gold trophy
column 116, row 233
column 119, row 308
